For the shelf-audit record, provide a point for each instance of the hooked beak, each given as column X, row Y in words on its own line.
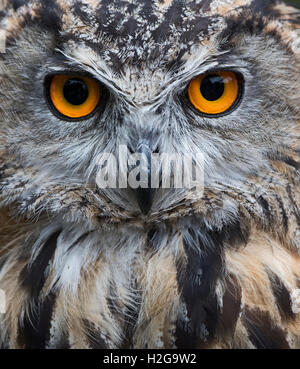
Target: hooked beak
column 145, row 196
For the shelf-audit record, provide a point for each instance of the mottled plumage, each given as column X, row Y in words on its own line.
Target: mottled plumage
column 81, row 266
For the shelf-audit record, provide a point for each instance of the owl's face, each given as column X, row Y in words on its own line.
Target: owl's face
column 216, row 78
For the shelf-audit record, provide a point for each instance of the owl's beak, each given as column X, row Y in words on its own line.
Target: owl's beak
column 145, row 196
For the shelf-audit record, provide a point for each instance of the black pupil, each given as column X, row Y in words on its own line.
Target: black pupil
column 212, row 87
column 76, row 91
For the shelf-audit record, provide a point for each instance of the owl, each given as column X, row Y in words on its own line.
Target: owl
column 84, row 265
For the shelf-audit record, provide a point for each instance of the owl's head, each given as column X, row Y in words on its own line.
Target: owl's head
column 216, row 79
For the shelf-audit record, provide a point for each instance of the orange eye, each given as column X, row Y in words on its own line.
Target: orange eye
column 74, row 96
column 214, row 93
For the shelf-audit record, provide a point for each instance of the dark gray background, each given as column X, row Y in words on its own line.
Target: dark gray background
column 294, row 2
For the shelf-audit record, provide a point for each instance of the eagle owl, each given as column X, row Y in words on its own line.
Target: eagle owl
column 89, row 266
